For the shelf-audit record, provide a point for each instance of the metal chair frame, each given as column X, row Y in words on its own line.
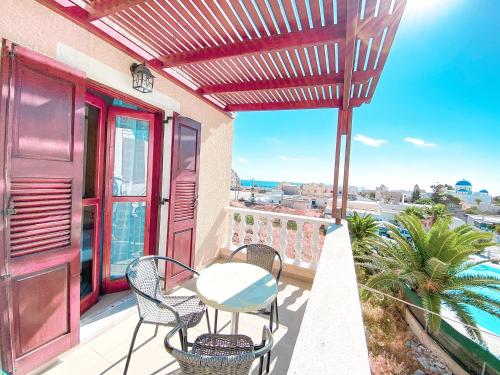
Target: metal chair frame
column 160, row 305
column 214, row 364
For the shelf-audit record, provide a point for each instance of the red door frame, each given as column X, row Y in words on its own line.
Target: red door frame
column 121, row 284
column 156, row 171
column 96, row 202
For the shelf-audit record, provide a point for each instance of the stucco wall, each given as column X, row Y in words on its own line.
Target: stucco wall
column 30, row 24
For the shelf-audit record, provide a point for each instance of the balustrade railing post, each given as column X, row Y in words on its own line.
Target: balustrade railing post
column 315, row 246
column 242, row 229
column 230, row 230
column 299, row 245
column 255, row 229
column 284, row 237
column 269, row 231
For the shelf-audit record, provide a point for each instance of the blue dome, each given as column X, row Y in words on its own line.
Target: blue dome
column 462, row 190
column 463, row 183
column 484, row 191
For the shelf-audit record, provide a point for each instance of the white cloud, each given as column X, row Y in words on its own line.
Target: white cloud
column 419, row 142
column 369, row 141
column 242, row 160
column 289, row 158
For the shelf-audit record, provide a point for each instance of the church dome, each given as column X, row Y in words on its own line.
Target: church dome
column 463, row 183
column 484, row 191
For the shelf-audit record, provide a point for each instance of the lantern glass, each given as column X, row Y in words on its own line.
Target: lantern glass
column 142, row 78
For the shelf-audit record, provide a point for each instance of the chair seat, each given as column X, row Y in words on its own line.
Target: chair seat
column 222, row 345
column 190, row 308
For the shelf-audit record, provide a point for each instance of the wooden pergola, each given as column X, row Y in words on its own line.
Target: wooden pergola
column 250, row 55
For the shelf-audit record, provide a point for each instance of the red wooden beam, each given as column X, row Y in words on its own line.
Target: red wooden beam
column 304, row 38
column 310, row 104
column 391, row 33
column 347, row 159
column 81, row 18
column 360, row 76
column 102, row 8
column 350, row 43
column 336, row 171
column 280, row 83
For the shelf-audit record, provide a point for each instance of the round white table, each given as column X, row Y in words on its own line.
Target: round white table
column 236, row 287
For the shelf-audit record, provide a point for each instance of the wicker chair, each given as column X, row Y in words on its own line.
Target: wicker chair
column 160, row 309
column 215, row 354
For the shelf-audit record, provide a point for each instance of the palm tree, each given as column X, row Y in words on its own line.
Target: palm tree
column 436, row 265
column 415, row 211
column 363, row 231
column 438, row 211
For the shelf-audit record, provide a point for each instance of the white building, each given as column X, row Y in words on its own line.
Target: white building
column 316, row 189
column 297, row 202
column 290, row 189
column 463, row 191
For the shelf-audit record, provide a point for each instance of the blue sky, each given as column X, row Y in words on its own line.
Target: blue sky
column 435, row 115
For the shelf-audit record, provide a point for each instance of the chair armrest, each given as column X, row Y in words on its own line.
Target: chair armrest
column 169, row 335
column 267, row 343
column 172, row 260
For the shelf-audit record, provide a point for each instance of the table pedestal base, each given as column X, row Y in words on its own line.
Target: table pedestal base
column 234, row 323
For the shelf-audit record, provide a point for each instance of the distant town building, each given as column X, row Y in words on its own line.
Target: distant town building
column 463, row 191
column 384, row 195
column 316, row 189
column 235, row 180
column 290, row 189
column 297, row 202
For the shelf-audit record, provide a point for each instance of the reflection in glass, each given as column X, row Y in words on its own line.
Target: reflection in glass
column 127, row 236
column 131, row 157
column 87, row 253
column 90, row 150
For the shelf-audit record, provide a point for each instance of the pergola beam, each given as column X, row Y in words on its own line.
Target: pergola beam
column 304, row 38
column 283, row 83
column 102, row 8
column 332, row 103
column 350, row 43
column 280, row 83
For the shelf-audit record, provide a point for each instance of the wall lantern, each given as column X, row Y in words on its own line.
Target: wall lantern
column 142, row 78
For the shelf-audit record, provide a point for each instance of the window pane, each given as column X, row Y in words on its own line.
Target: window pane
column 127, row 235
column 131, row 157
column 90, row 150
column 87, row 253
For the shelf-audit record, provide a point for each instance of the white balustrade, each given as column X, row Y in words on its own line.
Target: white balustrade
column 299, row 244
column 241, row 230
column 255, row 230
column 230, row 229
column 302, row 257
column 284, row 237
column 269, row 231
column 315, row 245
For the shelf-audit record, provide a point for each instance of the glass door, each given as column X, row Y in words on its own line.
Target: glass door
column 93, row 171
column 128, row 192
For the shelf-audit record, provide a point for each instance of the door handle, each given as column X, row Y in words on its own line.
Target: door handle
column 163, row 201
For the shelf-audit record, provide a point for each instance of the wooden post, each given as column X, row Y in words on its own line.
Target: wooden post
column 347, row 158
column 337, row 166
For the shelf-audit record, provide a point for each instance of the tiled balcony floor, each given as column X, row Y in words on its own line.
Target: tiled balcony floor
column 105, row 354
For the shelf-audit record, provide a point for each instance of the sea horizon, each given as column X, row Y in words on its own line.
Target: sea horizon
column 266, row 184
